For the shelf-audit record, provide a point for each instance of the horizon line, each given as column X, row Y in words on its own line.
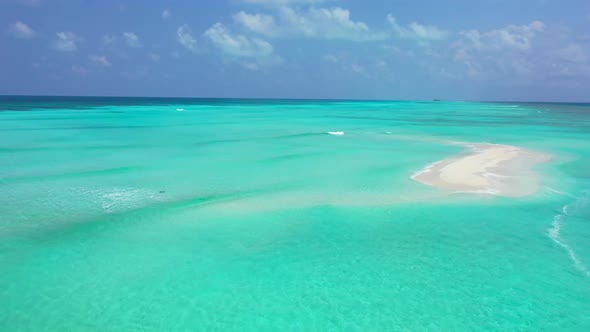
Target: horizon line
column 298, row 99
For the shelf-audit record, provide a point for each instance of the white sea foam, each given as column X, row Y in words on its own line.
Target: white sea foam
column 336, row 133
column 426, row 169
column 118, row 199
column 180, row 109
column 555, row 191
column 480, row 191
column 554, row 234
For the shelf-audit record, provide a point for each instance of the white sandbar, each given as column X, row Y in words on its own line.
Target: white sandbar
column 487, row 168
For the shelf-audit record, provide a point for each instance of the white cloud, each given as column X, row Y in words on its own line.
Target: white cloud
column 417, row 31
column 331, row 58
column 108, row 39
column 31, row 3
column 99, row 60
column 510, row 37
column 121, row 45
column 131, row 39
column 345, row 64
column 259, row 23
column 573, row 53
column 250, row 65
column 504, row 51
column 321, row 23
column 79, row 70
column 21, row 31
column 381, row 63
column 185, row 38
column 65, row 42
column 166, row 13
column 357, row 68
column 283, row 2
column 155, row 57
column 237, row 45
column 571, row 60
column 330, row 23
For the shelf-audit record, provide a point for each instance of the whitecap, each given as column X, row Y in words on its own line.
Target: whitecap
column 554, row 233
column 336, row 133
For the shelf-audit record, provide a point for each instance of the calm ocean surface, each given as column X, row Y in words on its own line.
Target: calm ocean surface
column 134, row 214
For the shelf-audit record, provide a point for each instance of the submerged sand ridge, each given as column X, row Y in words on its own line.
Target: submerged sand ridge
column 503, row 170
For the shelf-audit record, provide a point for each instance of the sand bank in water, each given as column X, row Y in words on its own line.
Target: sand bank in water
column 487, row 168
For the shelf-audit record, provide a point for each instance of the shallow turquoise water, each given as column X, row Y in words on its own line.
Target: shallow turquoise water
column 128, row 215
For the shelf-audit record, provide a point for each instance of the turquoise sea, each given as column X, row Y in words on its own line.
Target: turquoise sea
column 135, row 214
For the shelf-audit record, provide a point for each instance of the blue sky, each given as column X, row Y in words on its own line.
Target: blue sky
column 370, row 49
